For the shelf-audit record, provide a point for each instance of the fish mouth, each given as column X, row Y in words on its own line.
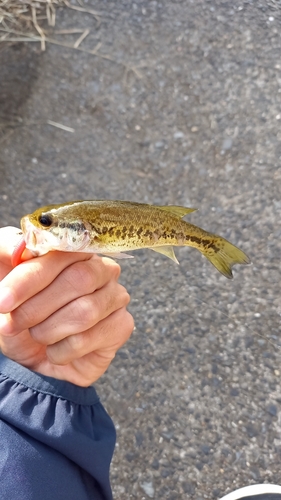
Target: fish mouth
column 34, row 237
column 29, row 233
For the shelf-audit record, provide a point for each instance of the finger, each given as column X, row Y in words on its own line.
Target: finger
column 80, row 278
column 104, row 339
column 81, row 314
column 33, row 276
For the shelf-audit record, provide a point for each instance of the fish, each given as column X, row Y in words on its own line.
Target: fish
column 113, row 228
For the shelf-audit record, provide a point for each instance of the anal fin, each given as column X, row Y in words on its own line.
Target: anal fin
column 166, row 250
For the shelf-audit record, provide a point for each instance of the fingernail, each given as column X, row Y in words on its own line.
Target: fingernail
column 6, row 300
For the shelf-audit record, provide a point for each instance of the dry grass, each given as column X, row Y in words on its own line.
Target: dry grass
column 31, row 20
column 34, row 21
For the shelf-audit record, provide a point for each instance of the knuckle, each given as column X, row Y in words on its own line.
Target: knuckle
column 119, row 292
column 54, row 356
column 82, row 311
column 36, row 334
column 126, row 325
column 80, row 276
column 103, row 358
column 129, row 324
column 112, row 267
column 77, row 343
column 123, row 296
column 42, row 333
column 27, row 315
column 116, row 270
column 127, row 297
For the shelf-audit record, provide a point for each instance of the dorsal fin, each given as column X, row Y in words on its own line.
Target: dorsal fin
column 176, row 210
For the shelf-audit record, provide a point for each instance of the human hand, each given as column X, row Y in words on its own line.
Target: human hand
column 65, row 313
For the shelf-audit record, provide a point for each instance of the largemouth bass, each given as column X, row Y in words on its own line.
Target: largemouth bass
column 114, row 227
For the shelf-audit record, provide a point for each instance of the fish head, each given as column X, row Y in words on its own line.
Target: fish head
column 46, row 230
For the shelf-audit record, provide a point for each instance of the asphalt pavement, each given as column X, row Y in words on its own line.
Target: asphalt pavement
column 181, row 104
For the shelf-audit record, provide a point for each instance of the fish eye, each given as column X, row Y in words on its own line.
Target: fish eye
column 45, row 220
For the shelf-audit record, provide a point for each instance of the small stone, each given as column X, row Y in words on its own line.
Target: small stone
column 205, row 448
column 188, row 487
column 178, row 135
column 190, row 350
column 192, row 453
column 228, row 167
column 148, row 489
column 159, row 144
column 155, row 464
column 131, row 456
column 139, row 438
column 166, row 473
column 227, row 144
column 251, row 430
column 272, row 409
column 216, row 493
column 167, row 435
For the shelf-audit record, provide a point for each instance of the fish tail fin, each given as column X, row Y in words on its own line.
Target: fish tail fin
column 223, row 255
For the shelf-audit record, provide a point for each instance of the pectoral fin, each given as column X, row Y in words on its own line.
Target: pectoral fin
column 176, row 210
column 117, row 255
column 166, row 250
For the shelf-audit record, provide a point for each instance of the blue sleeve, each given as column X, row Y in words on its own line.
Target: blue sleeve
column 56, row 439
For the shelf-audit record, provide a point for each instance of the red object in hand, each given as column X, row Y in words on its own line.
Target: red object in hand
column 16, row 258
